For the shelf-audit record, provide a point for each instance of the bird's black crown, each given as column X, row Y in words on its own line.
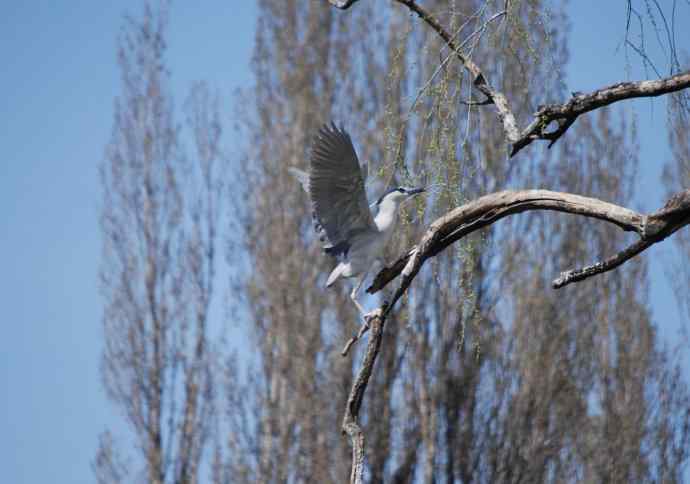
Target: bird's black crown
column 396, row 189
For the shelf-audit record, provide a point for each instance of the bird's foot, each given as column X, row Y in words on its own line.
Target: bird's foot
column 376, row 313
column 368, row 317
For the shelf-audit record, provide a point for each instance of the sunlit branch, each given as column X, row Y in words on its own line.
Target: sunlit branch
column 488, row 209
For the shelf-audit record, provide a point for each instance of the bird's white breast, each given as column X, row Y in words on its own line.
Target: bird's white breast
column 385, row 218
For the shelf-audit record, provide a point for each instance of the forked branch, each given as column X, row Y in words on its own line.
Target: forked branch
column 563, row 115
column 488, row 209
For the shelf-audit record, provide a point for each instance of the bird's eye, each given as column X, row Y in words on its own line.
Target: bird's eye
column 401, row 190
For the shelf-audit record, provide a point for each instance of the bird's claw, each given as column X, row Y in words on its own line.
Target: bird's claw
column 376, row 313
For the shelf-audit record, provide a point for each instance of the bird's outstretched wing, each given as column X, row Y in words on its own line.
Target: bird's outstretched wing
column 337, row 189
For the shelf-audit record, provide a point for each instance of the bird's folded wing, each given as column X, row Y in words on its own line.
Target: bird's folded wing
column 337, row 187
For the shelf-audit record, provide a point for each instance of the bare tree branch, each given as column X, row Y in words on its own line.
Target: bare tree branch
column 563, row 114
column 488, row 209
column 505, row 114
column 363, row 329
column 673, row 216
column 566, row 114
column 493, row 96
column 350, row 424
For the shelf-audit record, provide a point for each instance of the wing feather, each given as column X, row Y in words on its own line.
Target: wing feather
column 337, row 188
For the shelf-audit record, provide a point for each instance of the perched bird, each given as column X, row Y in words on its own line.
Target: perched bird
column 342, row 217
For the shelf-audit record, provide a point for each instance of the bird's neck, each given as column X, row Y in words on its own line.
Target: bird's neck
column 385, row 218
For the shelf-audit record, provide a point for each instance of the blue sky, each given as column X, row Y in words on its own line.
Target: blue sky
column 59, row 79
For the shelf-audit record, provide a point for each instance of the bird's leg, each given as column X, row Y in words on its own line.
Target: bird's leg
column 353, row 294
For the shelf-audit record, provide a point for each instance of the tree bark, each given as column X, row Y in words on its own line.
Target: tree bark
column 488, row 209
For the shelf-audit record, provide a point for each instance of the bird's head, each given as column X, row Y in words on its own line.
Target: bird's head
column 398, row 195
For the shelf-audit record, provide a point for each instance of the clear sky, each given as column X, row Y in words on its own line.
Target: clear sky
column 58, row 80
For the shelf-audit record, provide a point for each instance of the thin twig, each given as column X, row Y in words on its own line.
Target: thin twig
column 363, row 329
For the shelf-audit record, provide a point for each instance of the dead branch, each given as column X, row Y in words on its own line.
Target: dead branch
column 564, row 115
column 363, row 329
column 488, row 209
column 350, row 424
column 674, row 215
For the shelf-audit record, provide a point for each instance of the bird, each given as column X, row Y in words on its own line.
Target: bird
column 341, row 213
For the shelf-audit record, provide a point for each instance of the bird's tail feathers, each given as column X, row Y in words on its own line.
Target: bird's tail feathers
column 335, row 274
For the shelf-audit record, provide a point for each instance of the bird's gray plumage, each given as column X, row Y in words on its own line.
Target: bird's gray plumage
column 336, row 187
column 342, row 218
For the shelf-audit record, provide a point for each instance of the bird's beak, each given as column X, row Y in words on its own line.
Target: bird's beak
column 416, row 191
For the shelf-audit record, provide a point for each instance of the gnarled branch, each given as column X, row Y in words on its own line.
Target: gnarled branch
column 488, row 209
column 566, row 114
